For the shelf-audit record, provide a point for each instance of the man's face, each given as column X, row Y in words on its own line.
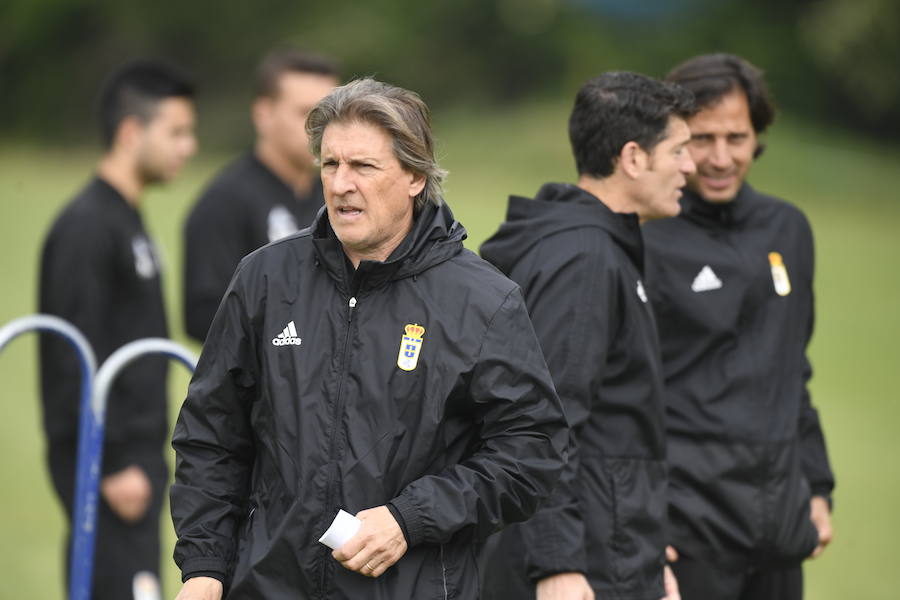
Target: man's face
column 669, row 164
column 281, row 120
column 368, row 193
column 722, row 144
column 166, row 141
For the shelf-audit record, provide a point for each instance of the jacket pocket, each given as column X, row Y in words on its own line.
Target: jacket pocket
column 629, row 555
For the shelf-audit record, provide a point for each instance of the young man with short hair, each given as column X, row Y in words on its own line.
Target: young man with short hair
column 101, row 272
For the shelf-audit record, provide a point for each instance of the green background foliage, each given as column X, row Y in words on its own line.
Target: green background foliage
column 500, row 75
column 846, row 185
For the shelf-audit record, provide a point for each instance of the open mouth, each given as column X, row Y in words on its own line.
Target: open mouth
column 348, row 211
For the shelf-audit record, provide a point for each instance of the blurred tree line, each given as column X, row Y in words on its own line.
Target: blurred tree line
column 831, row 60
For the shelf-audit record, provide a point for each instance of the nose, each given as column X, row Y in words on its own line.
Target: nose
column 688, row 166
column 342, row 180
column 190, row 146
column 720, row 157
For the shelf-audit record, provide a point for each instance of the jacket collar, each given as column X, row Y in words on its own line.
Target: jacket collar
column 435, row 237
column 719, row 214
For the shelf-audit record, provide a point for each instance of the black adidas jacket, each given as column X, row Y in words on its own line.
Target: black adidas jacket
column 274, row 437
column 100, row 271
column 245, row 207
column 745, row 447
column 580, row 267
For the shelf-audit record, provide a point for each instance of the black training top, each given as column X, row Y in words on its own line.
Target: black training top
column 732, row 287
column 100, row 271
column 580, row 266
column 418, row 382
column 245, row 207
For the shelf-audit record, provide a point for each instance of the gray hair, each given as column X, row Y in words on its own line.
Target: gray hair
column 399, row 112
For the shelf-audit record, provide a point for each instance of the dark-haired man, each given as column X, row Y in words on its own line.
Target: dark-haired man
column 264, row 195
column 577, row 252
column 731, row 283
column 100, row 271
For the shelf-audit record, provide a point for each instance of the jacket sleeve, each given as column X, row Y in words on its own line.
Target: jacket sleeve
column 214, row 446
column 75, row 282
column 575, row 343
column 815, row 463
column 816, row 466
column 213, row 247
column 523, row 438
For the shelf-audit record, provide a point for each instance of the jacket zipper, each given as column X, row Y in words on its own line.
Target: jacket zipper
column 338, row 410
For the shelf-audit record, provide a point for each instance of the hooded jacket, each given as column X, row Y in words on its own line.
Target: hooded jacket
column 732, row 286
column 580, row 268
column 417, row 382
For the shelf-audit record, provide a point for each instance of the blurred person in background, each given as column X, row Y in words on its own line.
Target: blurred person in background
column 266, row 194
column 101, row 272
column 731, row 282
column 577, row 252
column 370, row 363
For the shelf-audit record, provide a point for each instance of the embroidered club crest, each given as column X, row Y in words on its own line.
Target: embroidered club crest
column 410, row 346
column 779, row 274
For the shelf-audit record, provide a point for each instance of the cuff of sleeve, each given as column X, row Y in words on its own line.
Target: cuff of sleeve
column 826, row 494
column 400, row 520
column 412, row 525
column 213, row 574
column 203, row 566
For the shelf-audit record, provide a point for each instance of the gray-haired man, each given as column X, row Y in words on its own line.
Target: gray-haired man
column 370, row 363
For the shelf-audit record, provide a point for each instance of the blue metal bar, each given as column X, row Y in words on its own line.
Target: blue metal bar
column 84, row 518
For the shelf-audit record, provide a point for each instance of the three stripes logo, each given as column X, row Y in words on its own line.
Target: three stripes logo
column 288, row 337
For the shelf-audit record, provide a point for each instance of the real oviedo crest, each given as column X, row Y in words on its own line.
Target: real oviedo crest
column 410, row 346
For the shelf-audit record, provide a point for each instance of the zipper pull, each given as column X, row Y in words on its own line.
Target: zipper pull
column 352, row 305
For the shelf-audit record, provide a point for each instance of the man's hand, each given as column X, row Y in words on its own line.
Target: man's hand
column 820, row 515
column 127, row 492
column 377, row 545
column 200, row 588
column 564, row 586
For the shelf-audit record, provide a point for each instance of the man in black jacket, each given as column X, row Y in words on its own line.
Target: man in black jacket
column 267, row 193
column 731, row 283
column 100, row 271
column 577, row 252
column 368, row 363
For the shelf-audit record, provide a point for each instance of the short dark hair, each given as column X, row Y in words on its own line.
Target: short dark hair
column 711, row 76
column 135, row 89
column 290, row 60
column 620, row 107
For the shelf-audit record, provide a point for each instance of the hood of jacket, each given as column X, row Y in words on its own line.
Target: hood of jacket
column 558, row 207
column 436, row 236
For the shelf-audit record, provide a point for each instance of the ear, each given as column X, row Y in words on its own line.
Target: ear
column 129, row 133
column 633, row 160
column 416, row 184
column 260, row 113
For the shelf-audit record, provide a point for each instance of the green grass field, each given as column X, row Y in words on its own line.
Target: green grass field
column 847, row 187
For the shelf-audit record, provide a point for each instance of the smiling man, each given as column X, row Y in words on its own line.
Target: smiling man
column 413, row 392
column 731, row 283
column 577, row 252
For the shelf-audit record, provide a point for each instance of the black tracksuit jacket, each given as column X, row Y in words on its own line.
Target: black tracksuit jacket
column 580, row 268
column 274, row 438
column 100, row 271
column 746, row 449
column 244, row 208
